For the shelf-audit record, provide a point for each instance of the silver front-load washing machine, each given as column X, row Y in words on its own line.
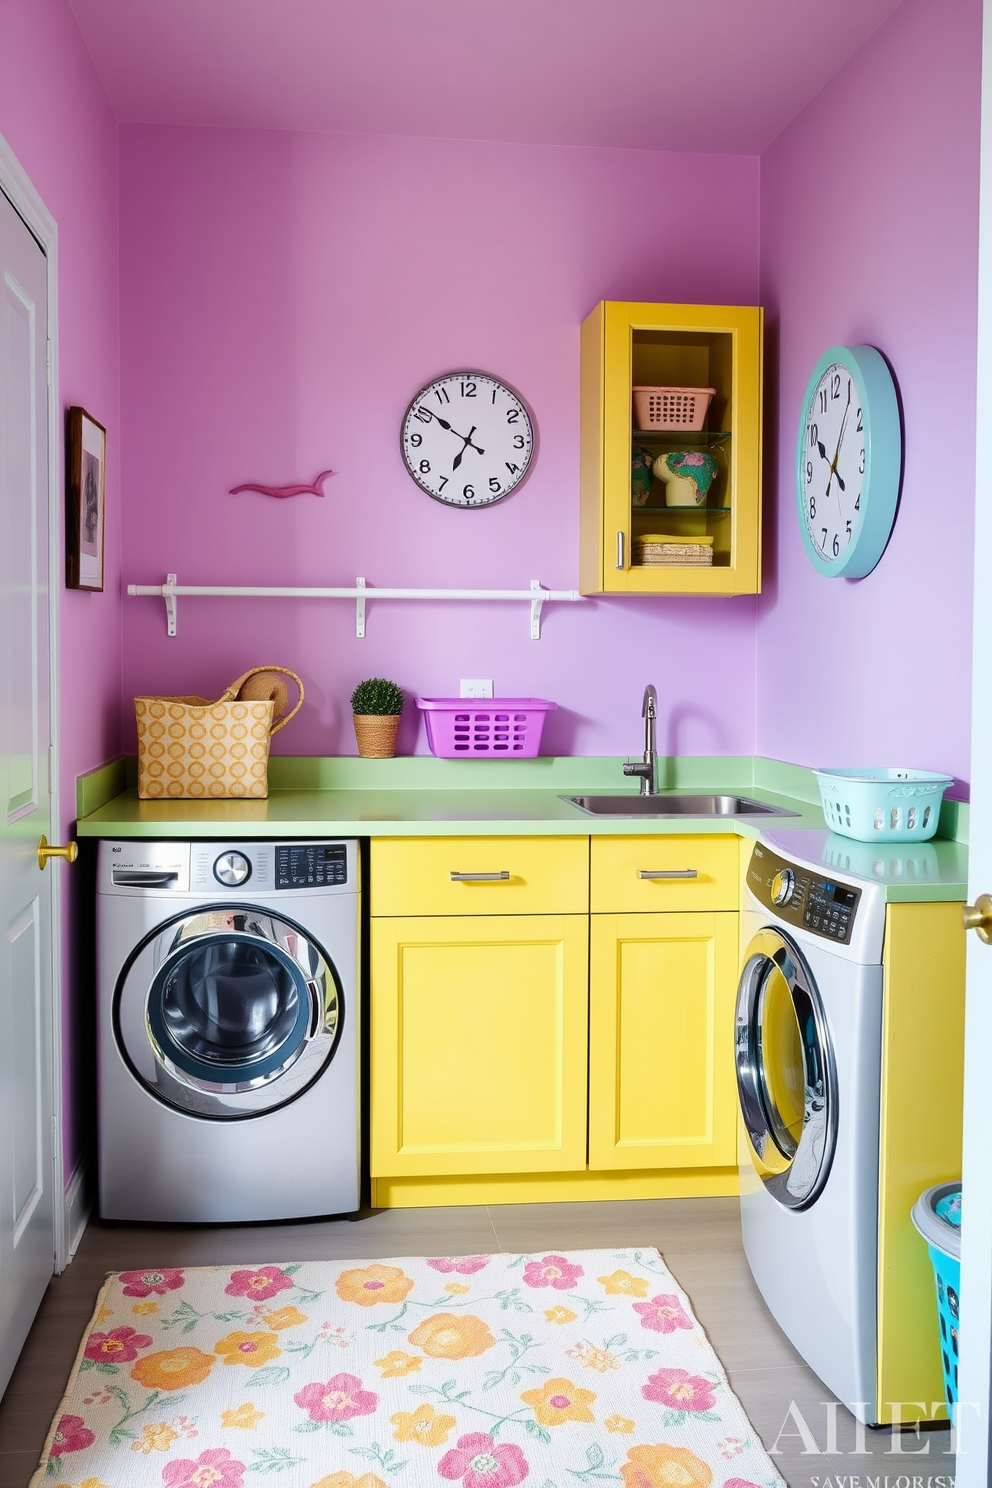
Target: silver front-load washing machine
column 228, row 1039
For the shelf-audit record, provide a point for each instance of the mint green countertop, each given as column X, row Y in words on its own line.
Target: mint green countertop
column 420, row 796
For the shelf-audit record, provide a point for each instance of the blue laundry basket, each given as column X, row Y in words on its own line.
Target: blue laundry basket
column 937, row 1216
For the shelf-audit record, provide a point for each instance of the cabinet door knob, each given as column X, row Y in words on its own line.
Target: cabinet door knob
column 668, row 872
column 479, row 877
column 978, row 916
column 70, row 852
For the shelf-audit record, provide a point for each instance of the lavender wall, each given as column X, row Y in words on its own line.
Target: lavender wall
column 56, row 118
column 869, row 233
column 284, row 295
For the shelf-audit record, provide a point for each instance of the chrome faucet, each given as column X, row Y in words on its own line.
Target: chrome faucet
column 645, row 768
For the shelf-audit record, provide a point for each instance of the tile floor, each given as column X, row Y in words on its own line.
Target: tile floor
column 699, row 1238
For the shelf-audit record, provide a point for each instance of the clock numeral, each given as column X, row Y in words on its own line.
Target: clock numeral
column 468, row 492
column 425, row 466
column 861, row 467
column 823, row 400
column 518, row 441
column 857, row 504
column 468, row 389
column 814, row 435
column 494, row 484
column 835, row 385
column 836, row 545
column 513, row 415
column 861, row 426
column 823, row 544
column 849, row 533
column 416, row 440
column 442, row 483
column 513, row 469
column 423, row 414
column 441, row 394
column 812, row 507
column 809, row 471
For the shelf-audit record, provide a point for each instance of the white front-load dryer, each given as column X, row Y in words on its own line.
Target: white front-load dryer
column 808, row 1052
column 228, row 1030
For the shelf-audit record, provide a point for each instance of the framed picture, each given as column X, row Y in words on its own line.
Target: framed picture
column 85, row 472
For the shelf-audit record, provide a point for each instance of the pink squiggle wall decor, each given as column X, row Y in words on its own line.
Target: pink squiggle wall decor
column 281, row 491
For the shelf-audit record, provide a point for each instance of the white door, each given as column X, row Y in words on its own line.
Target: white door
column 27, row 1242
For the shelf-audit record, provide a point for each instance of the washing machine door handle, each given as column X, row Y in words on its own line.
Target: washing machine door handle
column 315, row 1027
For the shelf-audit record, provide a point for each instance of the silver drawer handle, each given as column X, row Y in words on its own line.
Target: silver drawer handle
column 668, row 872
column 479, row 877
column 620, row 547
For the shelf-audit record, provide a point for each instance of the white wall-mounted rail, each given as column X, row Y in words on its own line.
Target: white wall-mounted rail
column 536, row 596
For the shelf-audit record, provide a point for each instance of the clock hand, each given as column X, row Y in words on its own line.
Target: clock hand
column 840, row 440
column 466, row 441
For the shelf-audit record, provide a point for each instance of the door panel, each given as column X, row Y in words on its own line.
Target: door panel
column 26, row 1100
column 661, row 1068
column 479, row 1045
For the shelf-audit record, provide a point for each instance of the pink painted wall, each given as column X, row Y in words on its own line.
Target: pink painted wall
column 869, row 233
column 56, row 118
column 283, row 296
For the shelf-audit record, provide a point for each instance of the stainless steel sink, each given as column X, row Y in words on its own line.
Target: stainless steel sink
column 675, row 805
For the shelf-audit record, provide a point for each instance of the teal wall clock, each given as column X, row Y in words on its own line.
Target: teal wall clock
column 848, row 461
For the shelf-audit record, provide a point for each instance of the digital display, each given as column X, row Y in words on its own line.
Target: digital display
column 834, row 894
column 311, row 866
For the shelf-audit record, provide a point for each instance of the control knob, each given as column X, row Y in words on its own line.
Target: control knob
column 783, row 886
column 232, row 869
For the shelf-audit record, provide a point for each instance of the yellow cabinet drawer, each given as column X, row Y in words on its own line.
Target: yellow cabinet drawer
column 543, row 875
column 655, row 874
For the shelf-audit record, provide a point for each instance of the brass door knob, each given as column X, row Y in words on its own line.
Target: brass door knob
column 978, row 916
column 70, row 852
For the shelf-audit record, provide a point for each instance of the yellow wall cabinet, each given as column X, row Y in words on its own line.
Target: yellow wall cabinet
column 626, row 345
column 489, row 1082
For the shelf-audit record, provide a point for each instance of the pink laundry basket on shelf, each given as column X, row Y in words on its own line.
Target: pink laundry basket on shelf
column 474, row 728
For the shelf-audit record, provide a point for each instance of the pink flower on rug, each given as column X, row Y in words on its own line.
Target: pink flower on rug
column 464, row 1265
column 553, row 1271
column 119, row 1346
column 261, row 1284
column 679, row 1390
column 144, row 1283
column 71, row 1435
column 480, row 1463
column 743, row 1483
column 215, row 1468
column 340, row 1399
column 663, row 1314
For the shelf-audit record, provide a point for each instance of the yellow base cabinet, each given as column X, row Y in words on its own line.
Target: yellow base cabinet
column 479, row 1034
column 709, row 496
column 661, row 1018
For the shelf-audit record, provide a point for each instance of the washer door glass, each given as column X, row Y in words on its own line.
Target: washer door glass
column 786, row 1078
column 228, row 1012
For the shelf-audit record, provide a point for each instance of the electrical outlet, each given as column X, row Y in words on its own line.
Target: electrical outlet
column 476, row 687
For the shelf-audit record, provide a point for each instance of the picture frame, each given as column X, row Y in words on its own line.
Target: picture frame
column 86, row 484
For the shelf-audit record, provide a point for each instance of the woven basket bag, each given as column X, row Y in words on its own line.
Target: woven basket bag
column 190, row 748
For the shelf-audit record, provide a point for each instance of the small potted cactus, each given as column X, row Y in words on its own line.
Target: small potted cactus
column 377, row 706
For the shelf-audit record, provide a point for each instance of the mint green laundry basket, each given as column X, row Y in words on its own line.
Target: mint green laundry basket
column 878, row 805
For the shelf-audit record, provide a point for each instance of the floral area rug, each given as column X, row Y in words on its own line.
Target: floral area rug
column 482, row 1371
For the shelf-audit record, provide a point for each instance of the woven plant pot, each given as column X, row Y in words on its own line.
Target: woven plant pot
column 376, row 734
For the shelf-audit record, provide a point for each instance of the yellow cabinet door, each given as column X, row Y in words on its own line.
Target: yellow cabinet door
column 478, row 1032
column 627, row 346
column 662, row 1090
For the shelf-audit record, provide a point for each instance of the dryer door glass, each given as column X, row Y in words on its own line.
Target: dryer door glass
column 228, row 1012
column 786, row 1078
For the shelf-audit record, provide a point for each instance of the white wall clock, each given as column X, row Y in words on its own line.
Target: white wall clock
column 467, row 439
column 848, row 461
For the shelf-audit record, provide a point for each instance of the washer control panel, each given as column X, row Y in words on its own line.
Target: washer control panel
column 802, row 897
column 218, row 871
column 311, row 865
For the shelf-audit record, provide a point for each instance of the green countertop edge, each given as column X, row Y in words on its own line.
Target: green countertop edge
column 423, row 796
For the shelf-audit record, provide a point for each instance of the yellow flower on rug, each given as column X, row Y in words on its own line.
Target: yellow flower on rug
column 445, row 1336
column 664, row 1467
column 173, row 1369
column 456, row 1289
column 144, row 1309
column 245, row 1418
column 619, row 1424
column 368, row 1285
column 424, row 1425
column 348, row 1480
column 396, row 1364
column 155, row 1438
column 86, row 1483
column 560, row 1315
column 622, row 1284
column 252, row 1349
column 595, row 1358
column 558, row 1401
column 284, row 1317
